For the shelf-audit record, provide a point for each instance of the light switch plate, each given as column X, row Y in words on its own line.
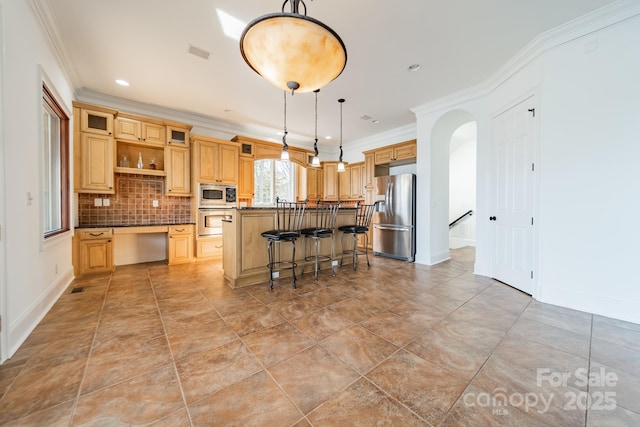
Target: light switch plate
column 106, row 202
column 97, row 202
column 155, row 203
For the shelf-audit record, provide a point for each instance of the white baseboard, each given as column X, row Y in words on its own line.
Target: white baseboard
column 20, row 329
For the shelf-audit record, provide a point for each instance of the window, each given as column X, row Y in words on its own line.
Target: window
column 273, row 178
column 55, row 140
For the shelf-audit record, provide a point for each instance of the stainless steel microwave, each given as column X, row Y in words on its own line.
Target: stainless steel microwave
column 216, row 196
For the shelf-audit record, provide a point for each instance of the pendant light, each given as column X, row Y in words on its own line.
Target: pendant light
column 340, row 163
column 285, row 148
column 315, row 161
column 293, row 51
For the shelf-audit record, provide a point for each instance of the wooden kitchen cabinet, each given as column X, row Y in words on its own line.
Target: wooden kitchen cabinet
column 99, row 121
column 178, row 167
column 178, row 135
column 132, row 128
column 216, row 161
column 403, row 152
column 315, row 183
column 209, row 248
column 369, row 171
column 344, row 183
column 180, row 244
column 96, row 164
column 357, row 177
column 93, row 249
column 246, row 178
column 331, row 181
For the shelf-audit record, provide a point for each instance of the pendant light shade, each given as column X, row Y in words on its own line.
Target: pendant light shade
column 340, row 163
column 293, row 51
column 315, row 161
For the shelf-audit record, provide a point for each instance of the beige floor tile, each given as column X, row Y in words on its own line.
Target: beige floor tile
column 358, row 348
column 256, row 400
column 320, row 324
column 140, row 400
column 363, row 404
column 277, row 343
column 312, row 376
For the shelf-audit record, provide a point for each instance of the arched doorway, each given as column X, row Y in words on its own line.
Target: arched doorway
column 462, row 186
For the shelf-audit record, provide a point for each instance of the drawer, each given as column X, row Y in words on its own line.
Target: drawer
column 181, row 229
column 95, row 233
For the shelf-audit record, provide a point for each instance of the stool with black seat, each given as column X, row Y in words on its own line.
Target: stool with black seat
column 324, row 216
column 288, row 222
column 361, row 225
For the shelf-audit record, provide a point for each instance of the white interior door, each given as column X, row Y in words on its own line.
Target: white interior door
column 513, row 142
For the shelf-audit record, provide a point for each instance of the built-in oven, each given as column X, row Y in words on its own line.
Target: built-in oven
column 216, row 196
column 210, row 221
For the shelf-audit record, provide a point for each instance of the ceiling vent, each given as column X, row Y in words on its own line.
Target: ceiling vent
column 198, row 52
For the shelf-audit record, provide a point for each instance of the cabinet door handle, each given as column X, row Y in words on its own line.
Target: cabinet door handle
column 180, row 230
column 96, row 235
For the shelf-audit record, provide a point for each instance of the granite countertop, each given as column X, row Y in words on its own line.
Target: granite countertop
column 135, row 225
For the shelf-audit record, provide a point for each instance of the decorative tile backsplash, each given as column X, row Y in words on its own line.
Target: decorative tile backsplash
column 133, row 204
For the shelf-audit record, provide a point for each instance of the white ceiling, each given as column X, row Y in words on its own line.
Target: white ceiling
column 459, row 43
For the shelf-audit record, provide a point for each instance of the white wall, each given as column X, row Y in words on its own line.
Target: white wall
column 586, row 84
column 35, row 274
column 589, row 158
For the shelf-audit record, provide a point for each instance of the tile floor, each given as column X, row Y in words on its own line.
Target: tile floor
column 397, row 345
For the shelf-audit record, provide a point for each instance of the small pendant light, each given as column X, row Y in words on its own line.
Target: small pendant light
column 340, row 163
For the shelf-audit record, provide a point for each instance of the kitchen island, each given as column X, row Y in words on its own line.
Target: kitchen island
column 244, row 253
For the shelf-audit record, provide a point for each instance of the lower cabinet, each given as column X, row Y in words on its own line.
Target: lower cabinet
column 209, row 247
column 93, row 250
column 180, row 244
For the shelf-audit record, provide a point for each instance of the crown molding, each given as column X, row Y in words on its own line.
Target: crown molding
column 587, row 24
column 46, row 18
column 206, row 125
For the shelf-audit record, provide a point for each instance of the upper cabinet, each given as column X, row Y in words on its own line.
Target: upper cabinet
column 93, row 152
column 133, row 128
column 331, row 181
column 315, row 183
column 216, row 160
column 177, row 134
column 178, row 164
column 246, row 178
column 94, row 120
column 402, row 153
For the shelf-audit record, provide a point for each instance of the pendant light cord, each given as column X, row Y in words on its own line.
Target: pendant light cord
column 284, row 137
column 315, row 144
column 341, row 101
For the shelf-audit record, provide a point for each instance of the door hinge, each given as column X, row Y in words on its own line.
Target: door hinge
column 533, row 167
column 532, row 274
column 531, row 220
column 532, row 111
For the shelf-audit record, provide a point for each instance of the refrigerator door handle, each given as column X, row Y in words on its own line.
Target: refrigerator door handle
column 389, row 198
column 390, row 227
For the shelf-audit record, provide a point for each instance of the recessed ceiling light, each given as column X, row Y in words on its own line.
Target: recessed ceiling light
column 376, row 121
column 365, row 117
column 414, row 67
column 328, row 137
column 122, row 82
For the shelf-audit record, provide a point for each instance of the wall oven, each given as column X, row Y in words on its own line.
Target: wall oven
column 216, row 196
column 210, row 221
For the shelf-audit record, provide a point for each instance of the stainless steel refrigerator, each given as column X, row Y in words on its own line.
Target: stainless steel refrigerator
column 394, row 231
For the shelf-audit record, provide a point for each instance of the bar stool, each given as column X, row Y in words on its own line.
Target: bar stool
column 361, row 225
column 325, row 219
column 288, row 221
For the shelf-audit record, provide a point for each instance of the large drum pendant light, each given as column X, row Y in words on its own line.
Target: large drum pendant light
column 293, row 51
